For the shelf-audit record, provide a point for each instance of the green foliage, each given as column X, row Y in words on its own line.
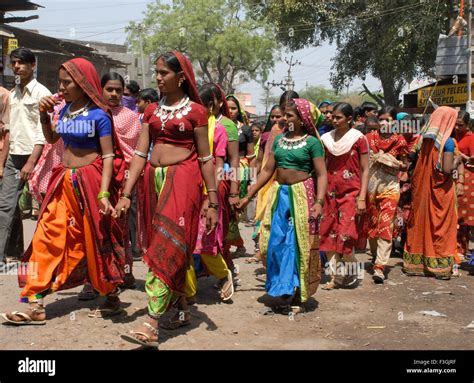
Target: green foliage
column 393, row 40
column 225, row 44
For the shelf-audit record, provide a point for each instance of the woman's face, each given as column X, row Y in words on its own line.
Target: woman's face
column 276, row 116
column 68, row 88
column 293, row 121
column 385, row 121
column 233, row 110
column 461, row 127
column 256, row 132
column 328, row 114
column 166, row 79
column 113, row 92
column 340, row 121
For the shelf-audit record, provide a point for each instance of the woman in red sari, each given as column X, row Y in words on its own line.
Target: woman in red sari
column 465, row 140
column 180, row 160
column 76, row 240
column 431, row 230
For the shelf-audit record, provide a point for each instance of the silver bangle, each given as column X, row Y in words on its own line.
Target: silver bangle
column 203, row 160
column 110, row 155
column 251, row 156
column 140, row 154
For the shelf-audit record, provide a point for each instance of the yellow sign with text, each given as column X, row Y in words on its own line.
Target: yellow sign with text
column 12, row 45
column 444, row 95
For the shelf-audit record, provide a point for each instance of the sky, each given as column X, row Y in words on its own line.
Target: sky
column 105, row 20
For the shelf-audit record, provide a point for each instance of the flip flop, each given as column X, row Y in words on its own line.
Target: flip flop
column 26, row 322
column 105, row 312
column 227, row 290
column 174, row 324
column 130, row 337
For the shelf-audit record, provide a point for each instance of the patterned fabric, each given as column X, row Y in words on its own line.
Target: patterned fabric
column 127, row 126
column 384, row 188
column 466, row 202
column 159, row 295
column 308, row 264
column 339, row 224
column 310, row 115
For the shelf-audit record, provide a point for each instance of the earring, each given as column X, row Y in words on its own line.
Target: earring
column 180, row 82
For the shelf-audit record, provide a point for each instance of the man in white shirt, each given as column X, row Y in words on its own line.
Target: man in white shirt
column 24, row 139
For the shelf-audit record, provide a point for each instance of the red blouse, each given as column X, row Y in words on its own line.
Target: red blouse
column 177, row 131
column 466, row 143
column 395, row 145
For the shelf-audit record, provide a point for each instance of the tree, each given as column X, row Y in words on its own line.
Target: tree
column 393, row 40
column 217, row 35
column 317, row 94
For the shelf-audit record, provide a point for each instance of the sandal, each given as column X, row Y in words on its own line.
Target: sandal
column 106, row 310
column 87, row 294
column 227, row 290
column 26, row 319
column 329, row 286
column 148, row 342
column 174, row 324
column 252, row 260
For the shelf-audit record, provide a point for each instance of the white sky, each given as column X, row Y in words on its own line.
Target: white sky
column 105, row 20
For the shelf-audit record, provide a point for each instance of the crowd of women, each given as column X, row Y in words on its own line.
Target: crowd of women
column 317, row 183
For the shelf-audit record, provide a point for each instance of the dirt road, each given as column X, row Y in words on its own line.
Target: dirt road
column 368, row 317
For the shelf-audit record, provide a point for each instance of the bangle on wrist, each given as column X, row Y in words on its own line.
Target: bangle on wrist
column 320, row 201
column 140, row 154
column 103, row 194
column 233, row 195
column 125, row 196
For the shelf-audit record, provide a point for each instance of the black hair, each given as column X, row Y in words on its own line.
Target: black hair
column 359, row 112
column 172, row 62
column 257, row 124
column 371, row 120
column 344, row 108
column 210, row 93
column 287, row 96
column 268, row 125
column 24, row 55
column 149, row 94
column 464, row 116
column 133, row 87
column 112, row 76
column 389, row 110
column 241, row 111
column 368, row 107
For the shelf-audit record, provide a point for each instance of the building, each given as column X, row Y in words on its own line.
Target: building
column 132, row 69
column 50, row 54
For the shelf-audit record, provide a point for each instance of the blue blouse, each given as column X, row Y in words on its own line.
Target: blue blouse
column 83, row 132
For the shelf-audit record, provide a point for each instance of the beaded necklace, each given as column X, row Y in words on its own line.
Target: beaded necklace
column 167, row 113
column 292, row 143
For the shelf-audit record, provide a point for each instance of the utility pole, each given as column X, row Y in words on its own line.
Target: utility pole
column 142, row 58
column 290, row 84
column 469, row 105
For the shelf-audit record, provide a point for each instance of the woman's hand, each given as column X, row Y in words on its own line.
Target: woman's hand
column 459, row 189
column 105, row 207
column 47, row 104
column 211, row 220
column 122, row 207
column 234, row 202
column 243, row 203
column 316, row 212
column 361, row 207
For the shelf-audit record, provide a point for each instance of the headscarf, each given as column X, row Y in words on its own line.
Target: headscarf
column 401, row 116
column 187, row 68
column 439, row 128
column 242, row 116
column 310, row 115
column 324, row 102
column 85, row 75
column 268, row 125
